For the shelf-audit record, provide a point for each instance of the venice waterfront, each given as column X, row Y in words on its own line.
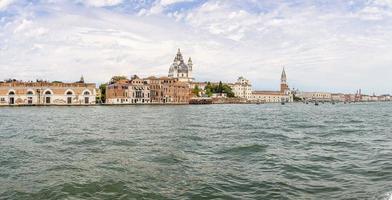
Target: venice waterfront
column 295, row 151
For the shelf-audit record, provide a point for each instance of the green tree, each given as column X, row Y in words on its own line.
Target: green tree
column 208, row 89
column 102, row 88
column 220, row 88
column 196, row 90
column 117, row 78
column 227, row 89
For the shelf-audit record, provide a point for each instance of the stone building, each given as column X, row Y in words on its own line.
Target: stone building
column 139, row 90
column 181, row 70
column 117, row 92
column 284, row 95
column 338, row 97
column 165, row 90
column 316, row 96
column 270, row 97
column 132, row 91
column 151, row 90
column 46, row 93
column 242, row 88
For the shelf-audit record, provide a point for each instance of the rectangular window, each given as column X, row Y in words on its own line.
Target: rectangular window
column 86, row 100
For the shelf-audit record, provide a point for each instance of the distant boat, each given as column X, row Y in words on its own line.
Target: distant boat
column 316, row 103
column 283, row 103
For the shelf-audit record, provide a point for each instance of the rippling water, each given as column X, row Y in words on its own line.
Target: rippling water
column 267, row 151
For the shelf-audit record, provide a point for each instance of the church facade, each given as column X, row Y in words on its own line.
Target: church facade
column 181, row 70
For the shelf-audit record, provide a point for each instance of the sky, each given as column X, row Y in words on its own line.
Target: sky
column 324, row 45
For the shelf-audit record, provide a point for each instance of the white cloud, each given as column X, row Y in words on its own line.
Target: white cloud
column 102, row 3
column 333, row 50
column 5, row 3
column 383, row 2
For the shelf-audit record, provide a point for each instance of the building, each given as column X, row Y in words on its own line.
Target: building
column 151, row 90
column 317, row 96
column 47, row 93
column 181, row 70
column 270, row 97
column 338, row 97
column 138, row 90
column 117, row 92
column 165, row 90
column 242, row 88
column 373, row 97
column 284, row 87
column 284, row 95
column 366, row 98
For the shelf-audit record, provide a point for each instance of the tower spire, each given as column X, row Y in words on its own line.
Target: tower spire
column 283, row 82
column 283, row 77
column 190, row 64
column 81, row 79
column 179, row 56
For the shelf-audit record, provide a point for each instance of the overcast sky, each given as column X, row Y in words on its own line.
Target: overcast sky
column 334, row 45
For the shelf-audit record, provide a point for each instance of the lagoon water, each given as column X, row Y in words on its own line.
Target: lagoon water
column 295, row 151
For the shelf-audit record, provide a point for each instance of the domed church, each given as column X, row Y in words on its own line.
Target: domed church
column 181, row 70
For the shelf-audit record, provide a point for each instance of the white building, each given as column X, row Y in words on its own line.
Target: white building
column 338, row 97
column 242, row 88
column 271, row 97
column 315, row 96
column 284, row 95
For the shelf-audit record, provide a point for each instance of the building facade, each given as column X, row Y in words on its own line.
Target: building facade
column 283, row 95
column 181, row 70
column 316, row 96
column 46, row 93
column 151, row 90
column 242, row 88
column 338, row 97
column 271, row 97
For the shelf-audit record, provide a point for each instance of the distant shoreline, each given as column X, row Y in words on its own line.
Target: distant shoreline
column 178, row 104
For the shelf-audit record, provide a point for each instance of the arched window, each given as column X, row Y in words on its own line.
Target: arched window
column 48, row 92
column 30, row 93
column 86, row 93
column 69, row 93
column 11, row 93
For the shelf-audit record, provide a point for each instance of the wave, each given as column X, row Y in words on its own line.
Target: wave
column 245, row 149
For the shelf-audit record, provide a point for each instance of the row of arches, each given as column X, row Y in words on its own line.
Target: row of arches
column 47, row 96
column 50, row 92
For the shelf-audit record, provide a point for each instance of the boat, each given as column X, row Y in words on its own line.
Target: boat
column 316, row 103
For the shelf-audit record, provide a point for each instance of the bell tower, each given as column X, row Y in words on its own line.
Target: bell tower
column 284, row 87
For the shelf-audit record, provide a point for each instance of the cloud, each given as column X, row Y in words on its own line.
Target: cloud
column 339, row 46
column 160, row 6
column 102, row 3
column 5, row 3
